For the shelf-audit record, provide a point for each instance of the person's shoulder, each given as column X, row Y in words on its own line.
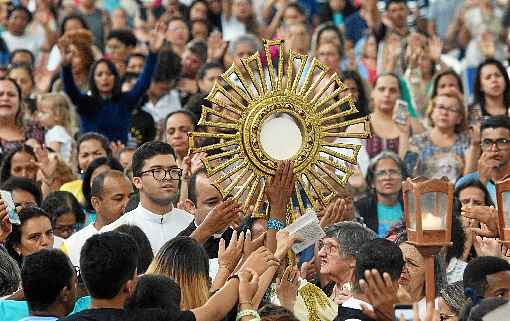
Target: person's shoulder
column 183, row 213
column 97, row 314
column 85, row 232
column 12, row 310
column 127, row 218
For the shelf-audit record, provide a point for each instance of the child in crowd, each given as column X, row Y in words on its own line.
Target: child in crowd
column 55, row 114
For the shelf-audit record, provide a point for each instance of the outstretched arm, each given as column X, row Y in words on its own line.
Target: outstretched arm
column 156, row 41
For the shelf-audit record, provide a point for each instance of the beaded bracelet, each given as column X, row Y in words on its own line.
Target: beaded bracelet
column 244, row 313
column 274, row 224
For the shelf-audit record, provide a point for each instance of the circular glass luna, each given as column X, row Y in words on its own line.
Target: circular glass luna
column 280, row 136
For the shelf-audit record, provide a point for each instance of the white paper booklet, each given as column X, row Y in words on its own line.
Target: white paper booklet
column 307, row 227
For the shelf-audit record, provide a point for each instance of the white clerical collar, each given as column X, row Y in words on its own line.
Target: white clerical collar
column 153, row 217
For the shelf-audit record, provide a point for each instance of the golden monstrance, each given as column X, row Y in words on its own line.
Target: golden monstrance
column 279, row 106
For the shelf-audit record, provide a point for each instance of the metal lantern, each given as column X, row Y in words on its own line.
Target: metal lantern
column 428, row 207
column 503, row 199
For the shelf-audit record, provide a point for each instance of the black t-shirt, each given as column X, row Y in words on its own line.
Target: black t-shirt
column 345, row 314
column 135, row 315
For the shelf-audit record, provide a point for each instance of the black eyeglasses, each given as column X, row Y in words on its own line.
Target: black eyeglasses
column 501, row 143
column 161, row 174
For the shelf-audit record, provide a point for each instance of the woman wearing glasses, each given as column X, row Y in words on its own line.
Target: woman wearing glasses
column 382, row 207
column 440, row 151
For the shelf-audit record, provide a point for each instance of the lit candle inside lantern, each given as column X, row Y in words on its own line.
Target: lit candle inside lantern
column 430, row 221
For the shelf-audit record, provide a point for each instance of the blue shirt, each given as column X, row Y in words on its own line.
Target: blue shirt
column 110, row 117
column 35, row 318
column 355, row 27
column 387, row 217
column 11, row 310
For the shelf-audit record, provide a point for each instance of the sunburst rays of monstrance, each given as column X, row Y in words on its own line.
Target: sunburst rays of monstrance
column 283, row 85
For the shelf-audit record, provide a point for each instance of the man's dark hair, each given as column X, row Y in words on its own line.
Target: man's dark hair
column 499, row 121
column 23, row 184
column 476, row 272
column 198, row 48
column 350, row 236
column 168, row 67
column 128, row 76
column 22, row 8
column 98, row 183
column 25, row 51
column 145, row 255
column 155, row 291
column 147, row 151
column 206, row 67
column 111, row 162
column 390, row 2
column 194, row 121
column 125, row 36
column 382, row 255
column 44, row 274
column 62, row 202
column 192, row 186
column 137, row 55
column 479, row 311
column 107, row 261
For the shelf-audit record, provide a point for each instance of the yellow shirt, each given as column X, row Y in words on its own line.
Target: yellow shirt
column 74, row 187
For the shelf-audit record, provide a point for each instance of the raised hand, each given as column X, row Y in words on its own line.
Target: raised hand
column 284, row 241
column 487, row 246
column 117, row 147
column 288, row 287
column 486, row 215
column 280, row 189
column 157, row 37
column 230, row 256
column 5, row 224
column 381, row 293
column 196, row 162
column 260, row 261
column 248, row 285
column 46, row 163
column 251, row 245
column 436, row 48
column 216, row 47
column 222, row 215
column 336, row 211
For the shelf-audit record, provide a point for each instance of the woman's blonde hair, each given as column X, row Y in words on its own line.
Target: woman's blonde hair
column 62, row 108
column 460, row 127
column 190, row 271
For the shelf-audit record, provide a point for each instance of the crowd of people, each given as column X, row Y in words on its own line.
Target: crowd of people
column 119, row 221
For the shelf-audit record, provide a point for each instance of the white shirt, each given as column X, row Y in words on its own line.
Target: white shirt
column 72, row 246
column 165, row 105
column 57, row 242
column 158, row 228
column 58, row 134
column 28, row 41
column 232, row 28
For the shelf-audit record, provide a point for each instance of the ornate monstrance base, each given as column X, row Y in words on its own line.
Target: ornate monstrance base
column 279, row 106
